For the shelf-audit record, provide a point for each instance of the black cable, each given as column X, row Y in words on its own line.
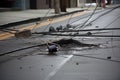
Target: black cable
column 19, row 50
column 4, row 30
column 43, row 18
column 70, row 18
column 110, row 24
column 9, row 30
column 98, row 16
column 79, row 35
column 105, row 13
column 96, row 58
column 83, row 24
column 48, row 25
column 102, row 15
column 84, row 30
column 89, row 17
column 73, row 13
column 52, row 34
column 105, row 27
column 83, row 17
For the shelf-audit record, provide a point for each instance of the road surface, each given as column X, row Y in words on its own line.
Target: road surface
column 73, row 61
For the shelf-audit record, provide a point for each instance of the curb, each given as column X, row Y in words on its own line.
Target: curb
column 35, row 19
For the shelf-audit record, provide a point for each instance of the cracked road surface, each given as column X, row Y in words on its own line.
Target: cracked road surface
column 70, row 63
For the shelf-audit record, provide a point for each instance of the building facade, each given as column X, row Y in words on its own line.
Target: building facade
column 17, row 4
column 116, row 1
column 34, row 4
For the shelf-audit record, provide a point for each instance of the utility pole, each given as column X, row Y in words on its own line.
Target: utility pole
column 57, row 6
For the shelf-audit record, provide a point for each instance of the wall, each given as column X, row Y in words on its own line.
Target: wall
column 22, row 4
column 116, row 1
column 81, row 3
column 42, row 4
column 73, row 3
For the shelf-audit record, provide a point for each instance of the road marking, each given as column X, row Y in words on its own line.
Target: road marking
column 7, row 35
column 58, row 68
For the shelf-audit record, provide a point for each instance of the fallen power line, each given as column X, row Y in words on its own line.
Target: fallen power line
column 89, row 34
column 96, row 58
column 81, row 35
column 21, row 49
column 103, row 29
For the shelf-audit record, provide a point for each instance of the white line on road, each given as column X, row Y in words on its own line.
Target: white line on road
column 55, row 70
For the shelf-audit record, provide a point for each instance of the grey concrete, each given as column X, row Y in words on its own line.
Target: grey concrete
column 17, row 16
column 31, row 67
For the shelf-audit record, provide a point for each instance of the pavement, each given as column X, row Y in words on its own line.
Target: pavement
column 10, row 18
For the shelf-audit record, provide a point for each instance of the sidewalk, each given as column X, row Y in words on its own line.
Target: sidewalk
column 12, row 18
